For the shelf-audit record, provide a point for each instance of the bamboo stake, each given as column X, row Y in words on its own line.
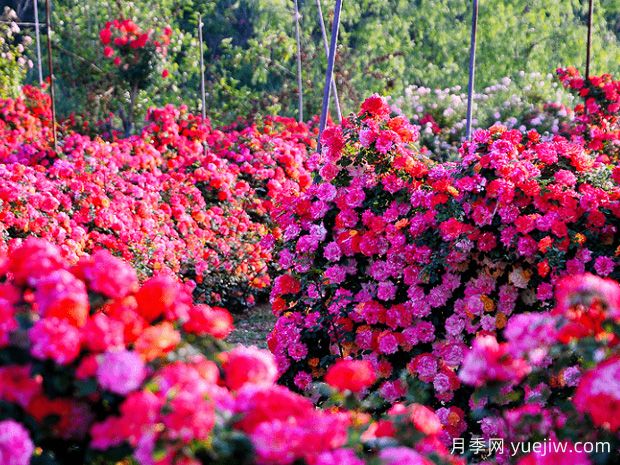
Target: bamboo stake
column 38, row 40
column 50, row 66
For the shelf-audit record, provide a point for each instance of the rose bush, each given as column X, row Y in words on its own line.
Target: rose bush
column 567, row 384
column 183, row 195
column 393, row 259
column 95, row 368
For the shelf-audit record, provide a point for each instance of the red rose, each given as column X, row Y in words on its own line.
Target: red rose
column 34, row 259
column 105, row 35
column 352, row 375
column 205, row 320
column 376, row 106
column 158, row 295
column 424, row 419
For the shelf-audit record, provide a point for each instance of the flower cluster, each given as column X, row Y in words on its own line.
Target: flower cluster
column 557, row 375
column 401, row 262
column 133, row 50
column 183, row 195
column 597, row 122
column 95, row 368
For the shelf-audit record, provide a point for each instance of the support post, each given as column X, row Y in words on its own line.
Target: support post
column 50, row 66
column 589, row 40
column 326, row 45
column 330, row 69
column 203, row 104
column 38, row 40
column 300, row 95
column 472, row 67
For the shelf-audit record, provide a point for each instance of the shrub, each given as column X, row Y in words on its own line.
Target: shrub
column 137, row 56
column 567, row 386
column 183, row 195
column 97, row 369
column 400, row 261
column 527, row 101
column 13, row 62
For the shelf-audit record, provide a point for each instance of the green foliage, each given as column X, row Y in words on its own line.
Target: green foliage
column 13, row 65
column 384, row 46
column 87, row 82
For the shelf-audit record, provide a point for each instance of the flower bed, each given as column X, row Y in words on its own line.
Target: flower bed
column 95, row 368
column 401, row 262
column 181, row 196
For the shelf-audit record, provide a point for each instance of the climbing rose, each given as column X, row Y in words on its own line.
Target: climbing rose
column 109, row 275
column 60, row 294
column 489, row 361
column 402, row 456
column 205, row 320
column 34, row 259
column 55, row 339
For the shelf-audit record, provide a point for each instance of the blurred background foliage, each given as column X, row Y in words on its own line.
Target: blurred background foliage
column 385, row 46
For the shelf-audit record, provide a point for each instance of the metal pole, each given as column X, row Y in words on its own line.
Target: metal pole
column 300, row 95
column 330, row 68
column 472, row 67
column 589, row 42
column 326, row 45
column 50, row 66
column 38, row 40
column 202, row 69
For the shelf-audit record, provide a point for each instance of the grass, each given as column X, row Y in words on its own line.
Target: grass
column 253, row 326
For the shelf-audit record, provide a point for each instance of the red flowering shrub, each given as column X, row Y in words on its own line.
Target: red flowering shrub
column 570, row 386
column 401, row 262
column 597, row 120
column 160, row 200
column 92, row 389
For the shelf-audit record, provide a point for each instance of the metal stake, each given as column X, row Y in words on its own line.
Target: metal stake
column 472, row 67
column 38, row 40
column 50, row 66
column 300, row 95
column 326, row 45
column 330, row 69
column 202, row 69
column 589, row 41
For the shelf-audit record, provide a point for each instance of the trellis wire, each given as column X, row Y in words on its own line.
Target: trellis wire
column 326, row 45
column 50, row 66
column 300, row 95
column 589, row 41
column 38, row 40
column 330, row 69
column 472, row 67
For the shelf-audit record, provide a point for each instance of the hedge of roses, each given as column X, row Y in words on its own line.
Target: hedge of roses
column 399, row 261
column 95, row 369
column 182, row 195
